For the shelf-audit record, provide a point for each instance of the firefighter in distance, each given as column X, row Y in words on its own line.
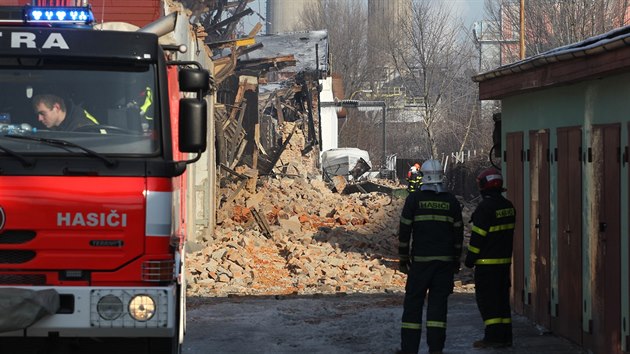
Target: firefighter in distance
column 430, row 245
column 414, row 178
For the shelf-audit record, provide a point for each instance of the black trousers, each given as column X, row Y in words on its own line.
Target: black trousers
column 492, row 291
column 436, row 279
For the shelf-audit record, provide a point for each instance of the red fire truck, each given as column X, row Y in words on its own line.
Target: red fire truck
column 90, row 219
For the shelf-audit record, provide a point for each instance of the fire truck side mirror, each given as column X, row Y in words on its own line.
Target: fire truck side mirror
column 194, row 80
column 193, row 125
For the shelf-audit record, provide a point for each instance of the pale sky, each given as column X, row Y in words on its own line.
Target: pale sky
column 473, row 9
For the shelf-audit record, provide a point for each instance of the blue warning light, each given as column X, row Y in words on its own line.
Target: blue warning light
column 61, row 15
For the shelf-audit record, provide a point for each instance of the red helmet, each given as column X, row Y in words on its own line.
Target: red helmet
column 490, row 178
column 413, row 170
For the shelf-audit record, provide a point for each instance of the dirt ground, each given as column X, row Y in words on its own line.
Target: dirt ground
column 358, row 323
column 335, row 254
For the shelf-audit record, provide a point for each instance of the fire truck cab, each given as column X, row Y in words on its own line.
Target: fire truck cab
column 94, row 137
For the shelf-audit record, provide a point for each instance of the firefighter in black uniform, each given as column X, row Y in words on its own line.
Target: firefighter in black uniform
column 490, row 253
column 53, row 112
column 430, row 236
column 414, row 178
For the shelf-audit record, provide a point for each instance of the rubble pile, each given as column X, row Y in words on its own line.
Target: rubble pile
column 306, row 240
column 319, row 242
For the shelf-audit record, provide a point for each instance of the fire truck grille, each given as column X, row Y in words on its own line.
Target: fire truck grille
column 16, row 236
column 15, row 256
column 22, row 279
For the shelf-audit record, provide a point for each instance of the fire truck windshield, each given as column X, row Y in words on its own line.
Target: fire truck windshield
column 107, row 108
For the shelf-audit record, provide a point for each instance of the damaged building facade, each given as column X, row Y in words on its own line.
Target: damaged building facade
column 277, row 83
column 263, row 82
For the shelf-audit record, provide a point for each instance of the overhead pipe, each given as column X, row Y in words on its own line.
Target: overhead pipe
column 365, row 106
column 161, row 26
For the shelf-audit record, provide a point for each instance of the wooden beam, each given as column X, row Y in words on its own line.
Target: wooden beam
column 255, row 30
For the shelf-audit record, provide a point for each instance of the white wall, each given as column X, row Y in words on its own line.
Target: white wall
column 328, row 118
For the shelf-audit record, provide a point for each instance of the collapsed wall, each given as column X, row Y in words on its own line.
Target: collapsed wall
column 307, row 239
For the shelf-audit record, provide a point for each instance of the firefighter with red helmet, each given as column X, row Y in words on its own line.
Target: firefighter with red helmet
column 430, row 245
column 490, row 253
column 414, row 178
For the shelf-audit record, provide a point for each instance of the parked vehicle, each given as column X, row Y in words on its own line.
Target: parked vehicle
column 91, row 229
column 352, row 163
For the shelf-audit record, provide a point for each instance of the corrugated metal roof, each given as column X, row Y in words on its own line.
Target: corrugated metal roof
column 301, row 44
column 609, row 41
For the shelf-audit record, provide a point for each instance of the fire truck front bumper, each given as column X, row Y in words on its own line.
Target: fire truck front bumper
column 100, row 312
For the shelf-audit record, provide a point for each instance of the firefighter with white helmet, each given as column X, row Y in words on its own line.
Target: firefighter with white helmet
column 490, row 253
column 430, row 244
column 433, row 176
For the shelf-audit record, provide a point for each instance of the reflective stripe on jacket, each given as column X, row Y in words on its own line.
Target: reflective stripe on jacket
column 432, row 224
column 492, row 231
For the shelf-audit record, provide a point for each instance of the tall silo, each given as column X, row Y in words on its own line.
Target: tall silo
column 385, row 21
column 385, row 17
column 284, row 15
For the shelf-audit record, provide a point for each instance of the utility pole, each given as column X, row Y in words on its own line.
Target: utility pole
column 522, row 31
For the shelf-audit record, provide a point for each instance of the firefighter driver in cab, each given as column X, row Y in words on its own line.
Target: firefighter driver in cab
column 490, row 253
column 430, row 245
column 52, row 112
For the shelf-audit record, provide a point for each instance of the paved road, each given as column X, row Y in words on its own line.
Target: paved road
column 339, row 325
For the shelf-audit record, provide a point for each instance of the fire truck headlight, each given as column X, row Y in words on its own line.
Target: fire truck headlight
column 141, row 307
column 109, row 307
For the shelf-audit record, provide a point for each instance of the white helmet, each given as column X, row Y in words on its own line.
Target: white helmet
column 432, row 172
column 432, row 176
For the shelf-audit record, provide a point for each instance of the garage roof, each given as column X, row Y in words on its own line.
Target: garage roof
column 594, row 57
